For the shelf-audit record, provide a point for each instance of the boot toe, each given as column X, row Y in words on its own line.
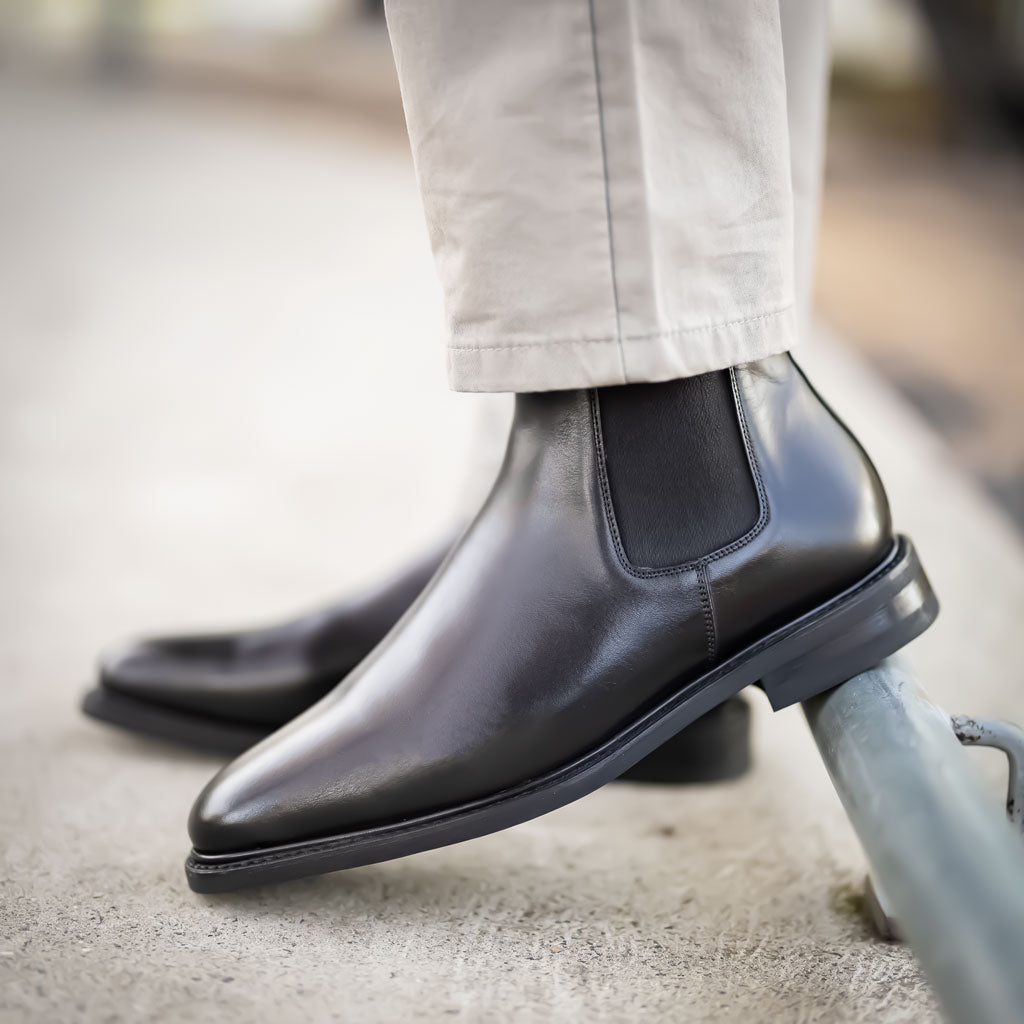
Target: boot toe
column 222, row 819
column 253, row 801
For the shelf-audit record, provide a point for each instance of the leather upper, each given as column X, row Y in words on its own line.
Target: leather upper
column 536, row 639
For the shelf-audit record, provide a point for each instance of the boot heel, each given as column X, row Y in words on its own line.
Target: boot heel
column 714, row 748
column 854, row 631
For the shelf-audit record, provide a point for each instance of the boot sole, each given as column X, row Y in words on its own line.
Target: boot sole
column 715, row 748
column 155, row 721
column 813, row 653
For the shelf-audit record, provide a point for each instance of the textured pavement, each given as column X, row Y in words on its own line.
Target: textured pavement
column 221, row 399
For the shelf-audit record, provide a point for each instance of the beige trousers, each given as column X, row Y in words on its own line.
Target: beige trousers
column 615, row 190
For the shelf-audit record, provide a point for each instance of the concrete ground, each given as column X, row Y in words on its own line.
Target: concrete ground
column 221, row 398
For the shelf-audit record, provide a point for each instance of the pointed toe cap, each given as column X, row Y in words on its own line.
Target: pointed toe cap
column 223, row 819
column 254, row 801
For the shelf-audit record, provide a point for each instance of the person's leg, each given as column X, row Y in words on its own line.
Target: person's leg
column 647, row 549
column 607, row 186
column 608, row 191
column 805, row 50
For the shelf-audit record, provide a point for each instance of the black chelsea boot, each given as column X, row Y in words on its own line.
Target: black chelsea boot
column 646, row 552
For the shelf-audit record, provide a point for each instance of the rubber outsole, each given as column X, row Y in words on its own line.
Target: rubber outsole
column 815, row 652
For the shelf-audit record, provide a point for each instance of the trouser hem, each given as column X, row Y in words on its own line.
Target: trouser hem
column 556, row 364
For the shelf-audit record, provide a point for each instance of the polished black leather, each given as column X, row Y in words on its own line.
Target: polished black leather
column 537, row 638
column 265, row 677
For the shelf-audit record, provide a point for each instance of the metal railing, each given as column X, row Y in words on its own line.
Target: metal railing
column 946, row 864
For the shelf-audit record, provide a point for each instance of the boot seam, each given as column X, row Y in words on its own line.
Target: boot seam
column 708, row 606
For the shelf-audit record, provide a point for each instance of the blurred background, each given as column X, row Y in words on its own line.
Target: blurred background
column 921, row 262
column 222, row 399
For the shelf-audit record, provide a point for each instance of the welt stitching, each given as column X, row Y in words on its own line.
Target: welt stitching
column 607, row 186
column 649, row 336
column 609, row 510
column 330, row 844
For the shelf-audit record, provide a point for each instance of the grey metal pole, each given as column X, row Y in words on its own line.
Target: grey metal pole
column 937, row 842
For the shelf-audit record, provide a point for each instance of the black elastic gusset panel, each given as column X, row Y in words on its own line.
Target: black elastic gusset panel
column 680, row 481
